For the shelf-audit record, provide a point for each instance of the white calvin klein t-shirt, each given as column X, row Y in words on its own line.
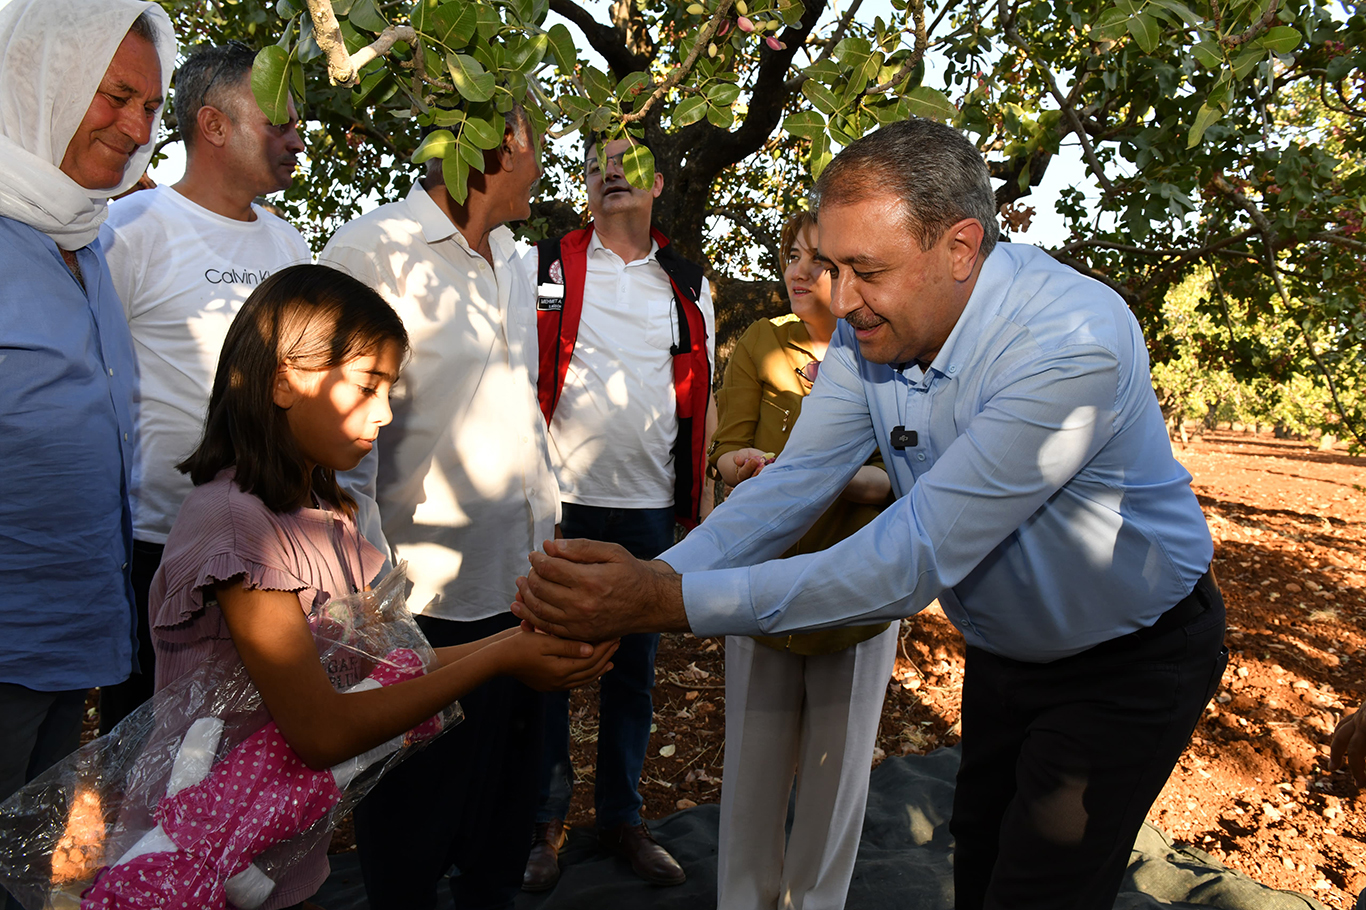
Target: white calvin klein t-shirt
column 182, row 273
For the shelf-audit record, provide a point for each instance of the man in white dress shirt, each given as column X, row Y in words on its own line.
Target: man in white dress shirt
column 463, row 487
column 626, row 332
column 184, row 259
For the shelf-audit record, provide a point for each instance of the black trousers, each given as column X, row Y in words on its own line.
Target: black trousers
column 120, row 700
column 467, row 800
column 1061, row 761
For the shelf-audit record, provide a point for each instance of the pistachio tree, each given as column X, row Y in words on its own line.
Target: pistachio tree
column 1215, row 136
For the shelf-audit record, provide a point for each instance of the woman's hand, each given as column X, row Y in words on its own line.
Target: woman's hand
column 742, row 464
column 546, row 663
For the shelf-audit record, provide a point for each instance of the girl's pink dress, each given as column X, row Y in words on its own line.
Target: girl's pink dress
column 224, row 534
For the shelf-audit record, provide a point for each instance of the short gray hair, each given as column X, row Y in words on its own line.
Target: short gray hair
column 145, row 27
column 939, row 176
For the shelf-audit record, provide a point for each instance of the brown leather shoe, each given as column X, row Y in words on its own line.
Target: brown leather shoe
column 543, row 865
column 648, row 859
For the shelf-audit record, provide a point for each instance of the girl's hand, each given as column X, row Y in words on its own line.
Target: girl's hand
column 546, row 663
column 742, row 464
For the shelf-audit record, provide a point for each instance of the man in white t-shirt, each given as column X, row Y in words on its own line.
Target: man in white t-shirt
column 184, row 259
column 626, row 330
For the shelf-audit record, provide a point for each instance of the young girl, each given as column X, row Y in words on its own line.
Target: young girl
column 301, row 391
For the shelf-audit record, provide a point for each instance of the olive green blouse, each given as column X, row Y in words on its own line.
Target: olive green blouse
column 757, row 405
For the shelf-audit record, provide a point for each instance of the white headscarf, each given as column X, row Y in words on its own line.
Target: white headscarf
column 53, row 55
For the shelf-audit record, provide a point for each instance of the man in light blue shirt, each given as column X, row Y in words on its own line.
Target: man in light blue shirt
column 1038, row 501
column 82, row 84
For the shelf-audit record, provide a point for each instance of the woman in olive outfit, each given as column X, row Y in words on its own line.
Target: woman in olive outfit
column 800, row 706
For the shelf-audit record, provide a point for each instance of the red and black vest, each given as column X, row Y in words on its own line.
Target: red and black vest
column 564, row 261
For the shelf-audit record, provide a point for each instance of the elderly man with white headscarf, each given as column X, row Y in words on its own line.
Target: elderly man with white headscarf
column 81, row 89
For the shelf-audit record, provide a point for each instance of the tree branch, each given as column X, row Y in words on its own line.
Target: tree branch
column 1254, row 29
column 1069, row 113
column 678, row 72
column 343, row 68
column 940, row 16
column 605, row 39
column 795, row 83
column 757, row 232
column 1339, row 240
column 917, row 8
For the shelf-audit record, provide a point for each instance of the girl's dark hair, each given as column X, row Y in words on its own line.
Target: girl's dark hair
column 313, row 318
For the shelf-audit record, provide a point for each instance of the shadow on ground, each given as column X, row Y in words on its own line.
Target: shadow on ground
column 904, row 860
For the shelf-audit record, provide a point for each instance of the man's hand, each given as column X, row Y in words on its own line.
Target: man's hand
column 593, row 591
column 1349, row 742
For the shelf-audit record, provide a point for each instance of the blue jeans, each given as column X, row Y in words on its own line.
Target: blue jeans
column 626, row 707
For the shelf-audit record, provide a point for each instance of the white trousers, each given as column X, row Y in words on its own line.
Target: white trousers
column 815, row 719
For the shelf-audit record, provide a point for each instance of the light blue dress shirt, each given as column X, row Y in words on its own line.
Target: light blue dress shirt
column 1042, row 505
column 67, row 373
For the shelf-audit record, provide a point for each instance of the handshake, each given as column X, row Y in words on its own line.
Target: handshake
column 592, row 591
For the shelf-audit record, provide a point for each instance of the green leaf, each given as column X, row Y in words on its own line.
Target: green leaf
column 623, row 90
column 529, row 53
column 270, row 82
column 639, row 166
column 723, row 93
column 1244, row 62
column 562, row 45
column 473, row 156
column 1281, row 40
column 296, row 78
column 826, row 71
column 1023, row 182
column 932, row 104
column 721, row 117
column 575, row 107
column 600, row 119
column 598, row 85
column 1208, row 55
column 451, row 25
column 1179, row 9
column 374, row 88
column 488, row 20
column 889, row 113
column 808, row 124
column 1111, row 25
column 1146, row 31
column 852, row 51
column 444, row 117
column 689, row 111
column 469, row 77
column 438, row 144
column 456, row 172
column 486, row 134
column 820, row 154
column 825, row 100
column 1205, row 118
column 364, row 14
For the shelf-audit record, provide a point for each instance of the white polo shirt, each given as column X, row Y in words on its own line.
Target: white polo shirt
column 461, row 476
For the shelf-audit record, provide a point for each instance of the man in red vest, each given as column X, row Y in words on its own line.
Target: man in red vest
column 626, row 329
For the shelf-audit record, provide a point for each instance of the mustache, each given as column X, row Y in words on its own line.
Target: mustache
column 861, row 319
